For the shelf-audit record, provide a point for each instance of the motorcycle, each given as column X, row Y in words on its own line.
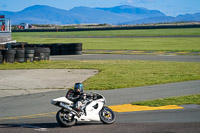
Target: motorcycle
column 94, row 110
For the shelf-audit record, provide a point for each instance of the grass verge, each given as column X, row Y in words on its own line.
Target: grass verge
column 144, row 32
column 139, row 52
column 115, row 74
column 146, row 44
column 181, row 100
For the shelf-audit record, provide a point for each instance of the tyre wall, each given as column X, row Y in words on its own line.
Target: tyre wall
column 24, row 52
column 58, row 48
column 24, row 55
column 1, row 57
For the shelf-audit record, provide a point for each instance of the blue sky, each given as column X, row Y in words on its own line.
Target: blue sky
column 169, row 7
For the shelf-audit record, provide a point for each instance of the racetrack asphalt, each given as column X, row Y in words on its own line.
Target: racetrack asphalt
column 175, row 36
column 179, row 58
column 40, row 102
column 169, row 121
column 52, row 127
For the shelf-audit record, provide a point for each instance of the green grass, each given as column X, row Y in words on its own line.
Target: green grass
column 182, row 100
column 115, row 74
column 144, row 32
column 147, row 44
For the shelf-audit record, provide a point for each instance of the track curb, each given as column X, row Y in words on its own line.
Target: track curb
column 132, row 108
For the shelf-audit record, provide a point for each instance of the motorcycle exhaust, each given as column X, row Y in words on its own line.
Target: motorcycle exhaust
column 66, row 107
column 69, row 109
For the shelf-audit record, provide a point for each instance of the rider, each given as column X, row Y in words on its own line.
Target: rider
column 76, row 96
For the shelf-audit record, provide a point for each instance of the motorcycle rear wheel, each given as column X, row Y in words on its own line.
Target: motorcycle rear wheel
column 64, row 120
column 107, row 116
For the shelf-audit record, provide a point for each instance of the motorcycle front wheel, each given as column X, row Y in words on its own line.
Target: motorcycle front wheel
column 107, row 116
column 64, row 118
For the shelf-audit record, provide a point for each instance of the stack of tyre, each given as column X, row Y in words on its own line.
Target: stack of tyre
column 20, row 55
column 1, row 57
column 55, row 48
column 76, row 49
column 29, row 55
column 42, row 54
column 24, row 55
column 9, row 55
column 66, row 49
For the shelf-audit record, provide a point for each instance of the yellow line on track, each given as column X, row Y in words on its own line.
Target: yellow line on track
column 132, row 108
column 30, row 116
column 116, row 108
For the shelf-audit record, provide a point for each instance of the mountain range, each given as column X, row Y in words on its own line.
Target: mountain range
column 125, row 14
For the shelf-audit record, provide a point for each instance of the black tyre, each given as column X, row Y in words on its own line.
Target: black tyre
column 40, row 45
column 47, row 45
column 65, row 49
column 20, row 51
column 29, row 51
column 10, row 51
column 64, row 120
column 29, row 46
column 46, row 56
column 9, row 56
column 65, row 52
column 1, row 59
column 20, row 60
column 16, row 46
column 9, row 60
column 76, row 44
column 29, row 55
column 42, row 56
column 107, row 116
column 20, row 56
column 76, row 48
column 55, row 49
column 64, row 45
column 76, row 52
column 42, row 50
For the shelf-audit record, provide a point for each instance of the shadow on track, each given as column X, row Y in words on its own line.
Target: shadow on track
column 43, row 125
column 99, row 128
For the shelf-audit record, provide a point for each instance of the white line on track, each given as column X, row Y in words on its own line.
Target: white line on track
column 36, row 128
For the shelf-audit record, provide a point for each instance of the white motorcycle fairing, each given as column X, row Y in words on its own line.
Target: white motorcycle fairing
column 61, row 99
column 92, row 114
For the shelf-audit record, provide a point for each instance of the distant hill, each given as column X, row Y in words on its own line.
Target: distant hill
column 134, row 12
column 166, row 19
column 93, row 15
column 188, row 17
column 125, row 14
column 39, row 14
